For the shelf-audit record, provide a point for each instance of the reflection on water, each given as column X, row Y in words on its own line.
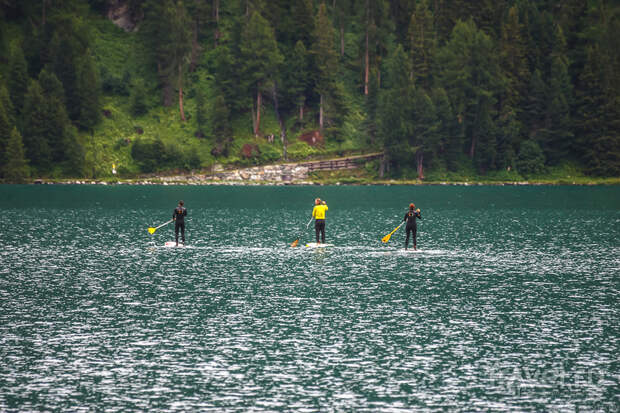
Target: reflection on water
column 510, row 302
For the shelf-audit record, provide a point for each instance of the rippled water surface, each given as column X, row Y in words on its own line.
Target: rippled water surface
column 510, row 303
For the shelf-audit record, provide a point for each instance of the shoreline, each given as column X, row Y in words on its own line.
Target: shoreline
column 200, row 181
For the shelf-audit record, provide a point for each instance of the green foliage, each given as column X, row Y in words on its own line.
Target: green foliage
column 531, row 159
column 16, row 168
column 5, row 134
column 88, row 92
column 138, row 103
column 36, row 127
column 17, row 81
column 222, row 130
column 445, row 80
column 201, row 112
column 422, row 42
column 148, row 153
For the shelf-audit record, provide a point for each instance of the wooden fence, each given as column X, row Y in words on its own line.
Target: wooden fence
column 350, row 162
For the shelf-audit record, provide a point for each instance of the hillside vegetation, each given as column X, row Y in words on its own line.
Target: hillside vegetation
column 448, row 90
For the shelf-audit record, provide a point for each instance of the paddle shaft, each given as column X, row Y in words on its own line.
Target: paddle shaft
column 396, row 229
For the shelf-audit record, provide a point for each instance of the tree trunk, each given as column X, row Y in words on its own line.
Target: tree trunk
column 367, row 64
column 301, row 112
column 382, row 167
column 321, row 114
column 181, row 92
column 420, row 164
column 216, row 16
column 341, row 39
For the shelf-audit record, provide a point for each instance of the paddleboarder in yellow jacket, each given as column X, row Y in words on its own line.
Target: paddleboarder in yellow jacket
column 318, row 213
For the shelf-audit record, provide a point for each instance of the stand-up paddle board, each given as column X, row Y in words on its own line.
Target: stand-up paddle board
column 315, row 245
column 172, row 244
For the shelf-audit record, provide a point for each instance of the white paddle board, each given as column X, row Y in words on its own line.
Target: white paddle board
column 315, row 245
column 170, row 244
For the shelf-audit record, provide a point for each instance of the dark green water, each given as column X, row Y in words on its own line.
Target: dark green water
column 511, row 302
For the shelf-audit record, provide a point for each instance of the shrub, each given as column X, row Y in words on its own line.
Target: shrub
column 148, row 153
column 531, row 160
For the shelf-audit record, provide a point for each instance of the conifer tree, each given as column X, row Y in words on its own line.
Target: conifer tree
column 36, row 127
column 394, row 111
column 55, row 120
column 424, row 133
column 16, row 168
column 5, row 134
column 558, row 137
column 298, row 77
column 326, row 60
column 17, row 81
column 221, row 129
column 422, row 43
column 513, row 62
column 88, row 91
column 5, row 102
column 260, row 58
column 471, row 76
column 450, row 146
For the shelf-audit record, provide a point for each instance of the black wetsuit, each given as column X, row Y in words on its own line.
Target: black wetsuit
column 412, row 228
column 319, row 228
column 179, row 223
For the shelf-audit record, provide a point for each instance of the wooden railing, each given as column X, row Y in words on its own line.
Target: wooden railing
column 350, row 162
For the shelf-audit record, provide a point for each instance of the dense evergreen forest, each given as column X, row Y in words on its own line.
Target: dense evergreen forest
column 490, row 86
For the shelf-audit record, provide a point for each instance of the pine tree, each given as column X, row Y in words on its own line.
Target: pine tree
column 166, row 33
column 597, row 119
column 325, row 59
column 558, row 137
column 261, row 59
column 513, row 62
column 221, row 129
column 394, row 112
column 471, row 76
column 16, row 169
column 303, row 16
column 424, row 133
column 55, row 120
column 5, row 134
column 449, row 141
column 17, row 81
column 422, row 42
column 5, row 102
column 36, row 124
column 298, row 76
column 534, row 106
column 88, row 91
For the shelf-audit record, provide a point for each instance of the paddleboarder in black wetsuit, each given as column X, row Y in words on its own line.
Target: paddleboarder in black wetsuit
column 178, row 216
column 411, row 217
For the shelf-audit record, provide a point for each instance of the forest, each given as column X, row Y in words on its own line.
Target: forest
column 444, row 88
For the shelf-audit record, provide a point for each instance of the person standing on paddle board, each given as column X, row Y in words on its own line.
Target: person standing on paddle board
column 410, row 218
column 178, row 216
column 318, row 213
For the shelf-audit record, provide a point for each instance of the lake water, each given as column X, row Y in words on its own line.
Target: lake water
column 510, row 303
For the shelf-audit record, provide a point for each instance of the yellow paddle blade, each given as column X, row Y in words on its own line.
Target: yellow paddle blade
column 294, row 243
column 387, row 237
column 152, row 230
